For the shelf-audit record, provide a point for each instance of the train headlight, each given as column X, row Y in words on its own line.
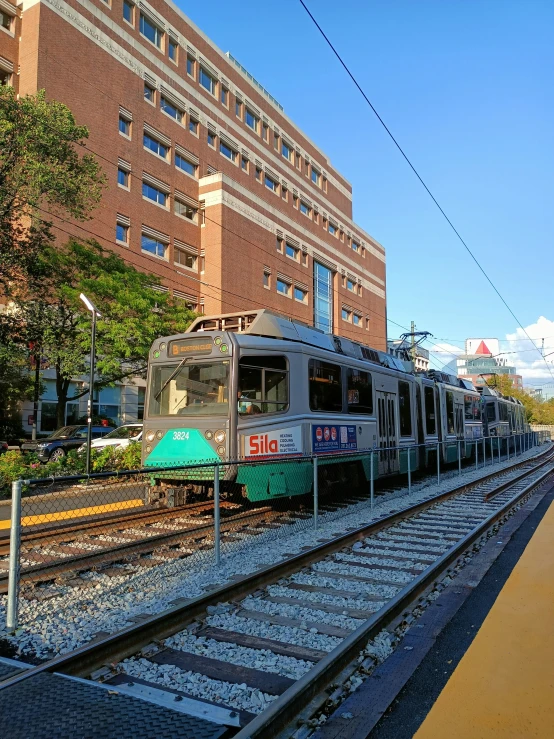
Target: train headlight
column 220, row 436
column 148, row 448
column 221, row 451
column 150, row 435
column 162, row 345
column 159, row 434
column 209, row 435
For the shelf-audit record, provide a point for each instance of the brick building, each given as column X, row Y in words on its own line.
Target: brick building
column 212, row 187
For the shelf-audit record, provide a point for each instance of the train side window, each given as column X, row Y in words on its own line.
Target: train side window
column 491, row 412
column 450, row 413
column 360, row 391
column 468, row 408
column 430, row 422
column 325, row 386
column 404, row 408
column 503, row 410
column 263, row 385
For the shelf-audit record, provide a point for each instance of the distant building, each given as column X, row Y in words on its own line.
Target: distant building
column 401, row 349
column 482, row 361
column 546, row 392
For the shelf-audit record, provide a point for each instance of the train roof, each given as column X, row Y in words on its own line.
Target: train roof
column 492, row 392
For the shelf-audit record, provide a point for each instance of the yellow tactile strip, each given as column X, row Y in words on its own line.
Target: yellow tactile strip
column 504, row 685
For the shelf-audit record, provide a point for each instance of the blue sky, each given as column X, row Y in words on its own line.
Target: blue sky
column 466, row 87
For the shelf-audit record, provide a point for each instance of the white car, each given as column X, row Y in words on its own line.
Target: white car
column 119, row 437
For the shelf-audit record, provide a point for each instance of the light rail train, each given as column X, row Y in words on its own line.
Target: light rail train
column 257, row 385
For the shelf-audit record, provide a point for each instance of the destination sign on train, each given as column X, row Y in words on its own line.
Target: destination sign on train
column 183, row 347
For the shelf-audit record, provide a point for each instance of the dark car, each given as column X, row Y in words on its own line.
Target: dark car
column 55, row 447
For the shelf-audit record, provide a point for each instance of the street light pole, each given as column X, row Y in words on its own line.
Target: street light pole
column 94, row 313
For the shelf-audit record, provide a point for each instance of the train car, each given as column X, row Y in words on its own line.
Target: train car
column 503, row 417
column 258, row 385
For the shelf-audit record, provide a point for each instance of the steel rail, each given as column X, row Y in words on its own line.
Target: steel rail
column 122, row 644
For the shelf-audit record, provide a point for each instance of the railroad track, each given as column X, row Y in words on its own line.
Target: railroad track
column 253, row 653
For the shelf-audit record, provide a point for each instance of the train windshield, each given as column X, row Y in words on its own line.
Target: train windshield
column 191, row 389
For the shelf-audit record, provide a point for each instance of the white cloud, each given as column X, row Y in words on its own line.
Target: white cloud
column 442, row 354
column 526, row 358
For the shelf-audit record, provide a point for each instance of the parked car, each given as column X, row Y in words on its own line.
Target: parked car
column 3, row 447
column 55, row 447
column 119, row 437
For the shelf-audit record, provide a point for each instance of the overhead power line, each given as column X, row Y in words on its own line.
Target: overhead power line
column 421, row 180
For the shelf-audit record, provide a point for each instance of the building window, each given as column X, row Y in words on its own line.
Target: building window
column 357, row 319
column 276, row 141
column 304, row 208
column 122, row 233
column 125, row 126
column 155, row 146
column 207, row 81
column 258, row 174
column 284, row 193
column 351, row 285
column 267, row 280
column 283, row 287
column 292, row 252
column 300, row 294
column 149, row 93
column 238, row 109
column 316, row 177
column 5, row 77
column 193, row 126
column 332, row 229
column 186, row 165
column 153, row 193
column 323, row 298
column 346, row 315
column 244, row 163
column 170, row 110
column 211, row 138
column 279, row 244
column 186, row 211
column 355, row 246
column 227, row 151
column 173, row 47
column 265, row 132
column 123, row 178
column 190, row 66
column 252, row 120
column 128, row 12
column 367, row 324
column 295, row 201
column 287, row 151
column 316, row 217
column 185, row 258
column 150, row 31
column 225, row 96
column 153, row 246
column 271, row 183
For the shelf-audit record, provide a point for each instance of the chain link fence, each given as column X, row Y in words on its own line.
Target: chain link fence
column 124, row 541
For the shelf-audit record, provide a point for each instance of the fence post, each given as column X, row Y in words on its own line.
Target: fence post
column 217, row 523
column 371, row 482
column 476, row 456
column 484, row 453
column 459, row 457
column 499, row 445
column 316, row 493
column 508, row 447
column 409, row 472
column 438, row 463
column 12, row 612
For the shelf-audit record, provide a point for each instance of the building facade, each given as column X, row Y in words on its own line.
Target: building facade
column 402, row 349
column 211, row 187
column 480, row 363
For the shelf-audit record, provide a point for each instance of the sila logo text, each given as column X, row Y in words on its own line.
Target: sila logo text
column 262, row 444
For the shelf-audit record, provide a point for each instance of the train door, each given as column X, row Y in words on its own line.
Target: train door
column 386, row 408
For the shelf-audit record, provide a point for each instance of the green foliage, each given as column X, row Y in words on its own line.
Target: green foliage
column 16, row 384
column 15, row 466
column 537, row 411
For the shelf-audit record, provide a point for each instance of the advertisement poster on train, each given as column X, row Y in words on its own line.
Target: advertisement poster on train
column 276, row 441
column 333, row 438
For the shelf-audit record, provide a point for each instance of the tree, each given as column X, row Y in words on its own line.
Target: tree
column 133, row 315
column 536, row 410
column 42, row 174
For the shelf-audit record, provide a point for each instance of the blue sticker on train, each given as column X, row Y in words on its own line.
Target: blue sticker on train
column 333, row 438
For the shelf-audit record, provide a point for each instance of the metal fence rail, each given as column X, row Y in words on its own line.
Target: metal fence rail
column 139, row 525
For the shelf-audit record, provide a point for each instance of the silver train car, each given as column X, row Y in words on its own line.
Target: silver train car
column 258, row 386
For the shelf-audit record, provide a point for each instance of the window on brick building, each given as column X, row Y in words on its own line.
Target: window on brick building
column 171, row 110
column 6, row 20
column 244, row 164
column 129, row 12
column 151, row 192
column 157, row 147
column 284, row 193
column 211, row 138
column 305, row 208
column 351, row 285
column 224, row 96
column 186, row 165
column 300, row 294
column 185, row 210
column 333, row 230
column 271, row 183
column 185, row 258
column 355, row 246
column 346, row 315
column 267, row 280
column 122, row 232
column 151, row 31
column 286, row 151
column 190, row 66
column 207, row 81
column 279, row 244
column 357, row 319
column 149, row 93
column 193, row 126
column 252, row 120
column 153, row 245
column 316, row 177
column 258, row 174
column 283, row 287
column 293, row 252
column 123, row 177
column 124, row 126
column 265, row 132
column 238, row 108
column 227, row 151
column 5, row 77
column 173, row 50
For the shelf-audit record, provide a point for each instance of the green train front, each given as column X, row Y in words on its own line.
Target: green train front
column 188, row 413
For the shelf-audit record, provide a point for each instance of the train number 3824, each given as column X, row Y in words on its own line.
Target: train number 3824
column 181, row 435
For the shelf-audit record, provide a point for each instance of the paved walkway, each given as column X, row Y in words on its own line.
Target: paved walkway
column 504, row 685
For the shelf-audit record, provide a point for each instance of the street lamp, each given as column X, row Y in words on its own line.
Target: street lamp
column 90, row 306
